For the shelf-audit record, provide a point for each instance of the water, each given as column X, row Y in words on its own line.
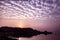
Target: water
column 43, row 37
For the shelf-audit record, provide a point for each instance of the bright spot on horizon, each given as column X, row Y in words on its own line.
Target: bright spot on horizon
column 21, row 24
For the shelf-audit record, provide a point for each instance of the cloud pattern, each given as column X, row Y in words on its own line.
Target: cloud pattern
column 25, row 9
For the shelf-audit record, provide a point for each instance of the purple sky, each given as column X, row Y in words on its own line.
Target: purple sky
column 39, row 15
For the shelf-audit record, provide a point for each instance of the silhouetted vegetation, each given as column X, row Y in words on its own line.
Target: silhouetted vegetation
column 6, row 31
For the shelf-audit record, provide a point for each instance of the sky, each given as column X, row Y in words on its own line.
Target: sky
column 37, row 14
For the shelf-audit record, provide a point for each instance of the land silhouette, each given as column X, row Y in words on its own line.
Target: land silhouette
column 6, row 33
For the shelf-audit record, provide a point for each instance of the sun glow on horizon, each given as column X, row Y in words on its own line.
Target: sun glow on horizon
column 21, row 24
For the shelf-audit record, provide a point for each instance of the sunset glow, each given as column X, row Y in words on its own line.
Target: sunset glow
column 21, row 25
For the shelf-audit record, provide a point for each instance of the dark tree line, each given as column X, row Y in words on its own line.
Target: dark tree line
column 6, row 31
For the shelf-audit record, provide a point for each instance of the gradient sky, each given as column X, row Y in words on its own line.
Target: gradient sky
column 37, row 14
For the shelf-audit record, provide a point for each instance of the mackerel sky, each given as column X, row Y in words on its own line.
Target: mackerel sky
column 30, row 9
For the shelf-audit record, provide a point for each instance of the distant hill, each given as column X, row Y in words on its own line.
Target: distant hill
column 6, row 31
